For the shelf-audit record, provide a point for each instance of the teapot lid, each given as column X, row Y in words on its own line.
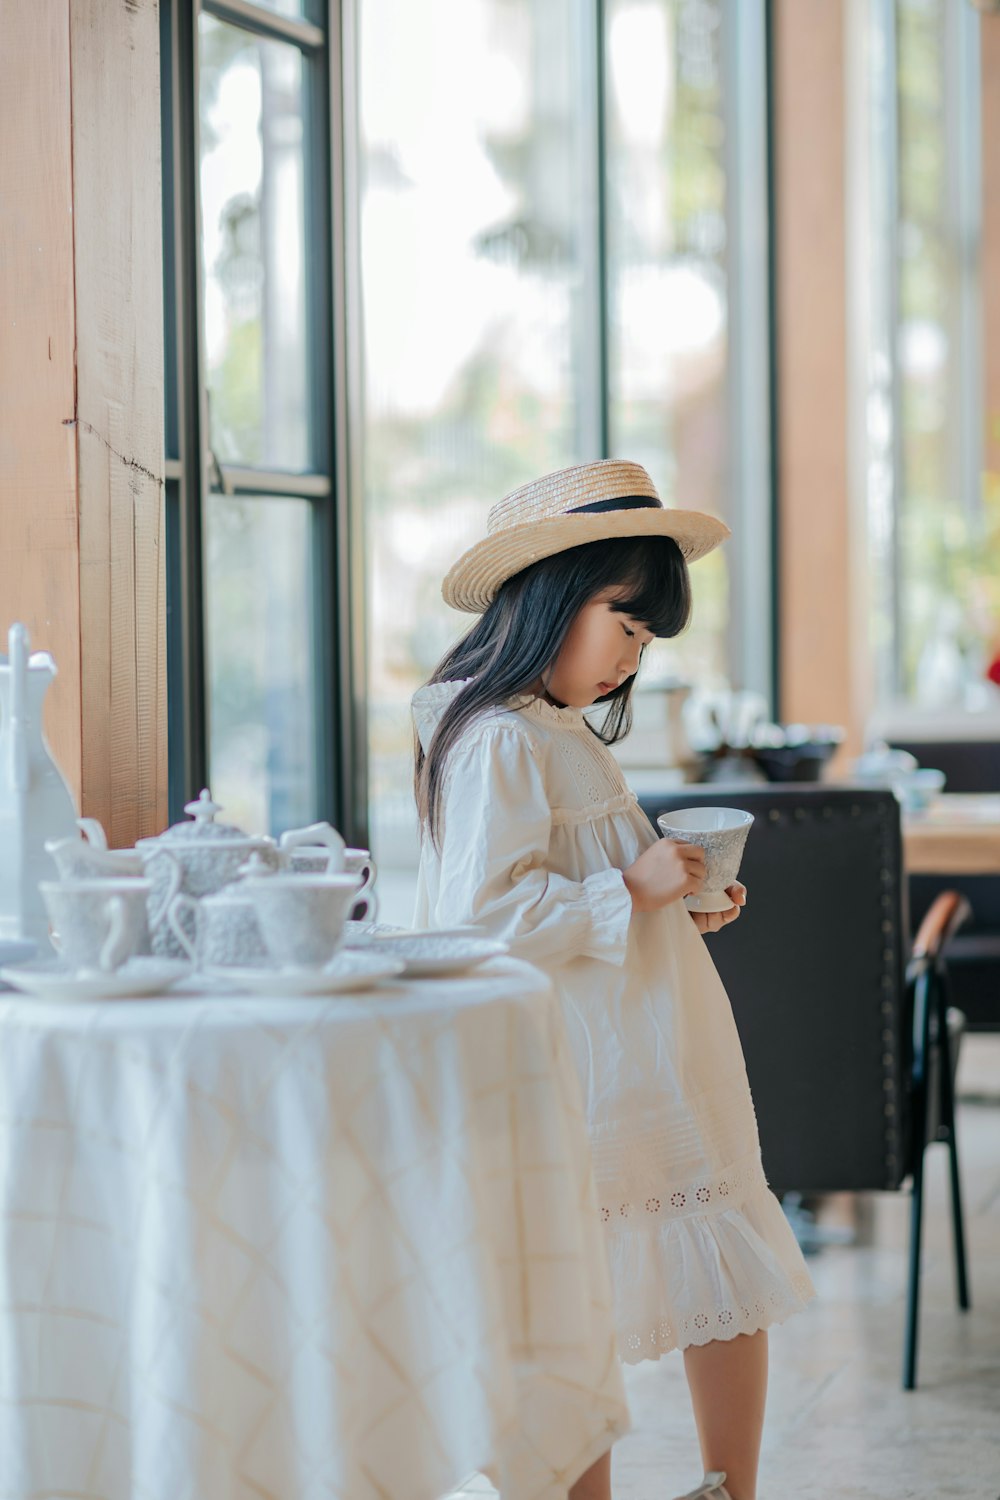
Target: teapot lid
column 202, row 824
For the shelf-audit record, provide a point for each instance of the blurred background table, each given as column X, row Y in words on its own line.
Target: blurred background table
column 959, row 834
column 345, row 1247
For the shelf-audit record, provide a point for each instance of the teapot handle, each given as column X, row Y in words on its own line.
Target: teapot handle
column 316, row 833
column 93, row 833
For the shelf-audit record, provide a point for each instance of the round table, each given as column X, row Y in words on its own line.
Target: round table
column 293, row 1248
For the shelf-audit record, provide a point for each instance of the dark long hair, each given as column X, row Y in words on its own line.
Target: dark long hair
column 514, row 644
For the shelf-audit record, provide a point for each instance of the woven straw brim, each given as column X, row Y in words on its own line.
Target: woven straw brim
column 475, row 578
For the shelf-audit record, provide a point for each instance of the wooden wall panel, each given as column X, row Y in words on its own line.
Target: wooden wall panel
column 119, row 416
column 39, row 572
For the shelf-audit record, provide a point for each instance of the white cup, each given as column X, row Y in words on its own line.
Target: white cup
column 97, row 924
column 301, row 917
column 722, row 833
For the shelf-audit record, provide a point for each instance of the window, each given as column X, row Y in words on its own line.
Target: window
column 554, row 238
column 934, row 520
column 255, row 585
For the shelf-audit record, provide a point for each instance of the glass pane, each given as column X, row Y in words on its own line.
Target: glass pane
column 258, row 621
column 667, row 281
column 294, row 8
column 478, row 302
column 948, row 520
column 253, row 245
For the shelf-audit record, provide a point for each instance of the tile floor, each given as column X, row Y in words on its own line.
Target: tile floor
column 838, row 1422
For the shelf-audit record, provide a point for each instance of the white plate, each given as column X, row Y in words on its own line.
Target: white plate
column 347, row 971
column 365, row 934
column 428, row 955
column 51, row 980
column 17, row 950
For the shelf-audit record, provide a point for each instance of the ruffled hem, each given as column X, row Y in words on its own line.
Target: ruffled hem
column 693, row 1280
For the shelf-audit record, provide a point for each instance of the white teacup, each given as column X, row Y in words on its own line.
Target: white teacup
column 301, row 917
column 314, row 860
column 97, row 924
column 722, row 833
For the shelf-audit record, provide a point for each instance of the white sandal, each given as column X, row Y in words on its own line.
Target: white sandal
column 712, row 1487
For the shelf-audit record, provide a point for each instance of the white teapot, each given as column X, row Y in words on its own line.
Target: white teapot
column 200, row 856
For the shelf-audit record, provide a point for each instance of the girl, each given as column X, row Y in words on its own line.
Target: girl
column 530, row 831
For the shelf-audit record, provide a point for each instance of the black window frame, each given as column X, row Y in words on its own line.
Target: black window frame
column 191, row 472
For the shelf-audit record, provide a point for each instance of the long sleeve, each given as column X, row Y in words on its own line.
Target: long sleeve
column 493, row 872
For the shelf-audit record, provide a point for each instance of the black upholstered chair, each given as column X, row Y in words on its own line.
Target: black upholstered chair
column 845, row 1030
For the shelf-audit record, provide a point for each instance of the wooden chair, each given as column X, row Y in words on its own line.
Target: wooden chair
column 848, row 1038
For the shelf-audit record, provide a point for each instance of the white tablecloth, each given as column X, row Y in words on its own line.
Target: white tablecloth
column 299, row 1248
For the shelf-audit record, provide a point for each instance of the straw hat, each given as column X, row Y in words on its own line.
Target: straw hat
column 588, row 503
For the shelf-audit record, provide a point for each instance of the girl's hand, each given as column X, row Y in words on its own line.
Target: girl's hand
column 665, row 872
column 712, row 921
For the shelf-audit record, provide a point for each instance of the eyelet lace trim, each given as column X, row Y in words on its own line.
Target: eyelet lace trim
column 726, row 1189
column 706, row 1325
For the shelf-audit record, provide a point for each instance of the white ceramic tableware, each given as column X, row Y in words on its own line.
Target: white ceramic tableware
column 430, row 954
column 135, row 980
column 315, row 850
column 347, row 972
column 85, row 855
column 915, row 790
column 218, row 930
column 364, row 934
column 97, row 924
column 722, row 833
column 36, row 804
column 308, row 859
column 301, row 916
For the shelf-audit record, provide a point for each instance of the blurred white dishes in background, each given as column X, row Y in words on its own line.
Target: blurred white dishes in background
column 879, row 765
column 917, row 789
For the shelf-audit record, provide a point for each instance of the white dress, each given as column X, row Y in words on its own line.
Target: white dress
column 538, row 825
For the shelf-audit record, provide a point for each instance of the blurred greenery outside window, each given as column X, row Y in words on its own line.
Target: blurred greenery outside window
column 947, row 510
column 528, row 304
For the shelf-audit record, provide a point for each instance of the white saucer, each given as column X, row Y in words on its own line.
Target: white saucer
column 51, row 980
column 431, row 954
column 351, row 971
column 17, row 950
column 365, row 934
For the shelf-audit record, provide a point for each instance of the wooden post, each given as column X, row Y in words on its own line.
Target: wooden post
column 811, row 262
column 81, row 384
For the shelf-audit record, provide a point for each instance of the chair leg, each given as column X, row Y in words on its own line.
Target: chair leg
column 913, row 1283
column 958, row 1227
column 947, row 1116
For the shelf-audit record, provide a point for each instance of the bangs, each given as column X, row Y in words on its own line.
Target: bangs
column 653, row 579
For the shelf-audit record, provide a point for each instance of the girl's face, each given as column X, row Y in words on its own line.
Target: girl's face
column 600, row 651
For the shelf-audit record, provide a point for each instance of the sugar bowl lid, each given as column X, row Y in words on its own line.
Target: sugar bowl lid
column 200, row 828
